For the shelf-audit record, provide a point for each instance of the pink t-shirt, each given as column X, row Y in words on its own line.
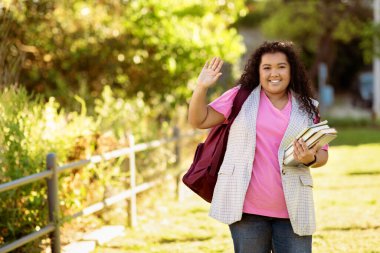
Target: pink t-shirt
column 265, row 195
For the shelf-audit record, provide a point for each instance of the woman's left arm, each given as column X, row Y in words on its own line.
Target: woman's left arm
column 321, row 158
column 309, row 157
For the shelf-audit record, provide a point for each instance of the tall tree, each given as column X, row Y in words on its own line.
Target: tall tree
column 153, row 46
column 334, row 32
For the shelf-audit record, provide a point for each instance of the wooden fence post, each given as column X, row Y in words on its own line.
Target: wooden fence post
column 53, row 201
column 177, row 147
column 177, row 150
column 132, row 208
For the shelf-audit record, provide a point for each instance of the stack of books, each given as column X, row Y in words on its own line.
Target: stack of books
column 318, row 134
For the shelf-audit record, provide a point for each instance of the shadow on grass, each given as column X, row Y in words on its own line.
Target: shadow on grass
column 185, row 239
column 349, row 187
column 350, row 228
column 364, row 173
column 198, row 210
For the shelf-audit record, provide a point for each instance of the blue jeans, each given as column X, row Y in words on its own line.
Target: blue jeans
column 261, row 234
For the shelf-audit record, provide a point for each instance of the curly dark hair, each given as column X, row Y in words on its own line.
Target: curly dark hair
column 299, row 81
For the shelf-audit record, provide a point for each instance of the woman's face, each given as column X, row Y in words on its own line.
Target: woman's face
column 274, row 73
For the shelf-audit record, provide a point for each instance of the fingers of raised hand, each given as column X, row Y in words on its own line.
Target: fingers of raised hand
column 209, row 63
column 219, row 66
column 206, row 64
column 214, row 64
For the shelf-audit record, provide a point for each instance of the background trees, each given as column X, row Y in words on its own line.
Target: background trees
column 157, row 47
column 77, row 47
column 339, row 33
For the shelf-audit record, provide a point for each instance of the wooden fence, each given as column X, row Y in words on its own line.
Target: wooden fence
column 51, row 175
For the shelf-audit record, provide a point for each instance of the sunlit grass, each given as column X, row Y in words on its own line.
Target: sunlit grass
column 347, row 202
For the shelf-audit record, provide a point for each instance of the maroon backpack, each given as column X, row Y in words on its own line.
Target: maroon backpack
column 203, row 172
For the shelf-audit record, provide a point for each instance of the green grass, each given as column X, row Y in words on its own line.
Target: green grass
column 356, row 136
column 347, row 202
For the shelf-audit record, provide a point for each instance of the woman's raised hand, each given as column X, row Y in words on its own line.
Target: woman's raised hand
column 210, row 72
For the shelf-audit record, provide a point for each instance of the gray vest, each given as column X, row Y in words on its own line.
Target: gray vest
column 235, row 172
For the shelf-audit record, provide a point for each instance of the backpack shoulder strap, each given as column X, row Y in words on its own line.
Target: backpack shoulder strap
column 239, row 100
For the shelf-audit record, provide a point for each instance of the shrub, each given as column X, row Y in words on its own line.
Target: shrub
column 32, row 128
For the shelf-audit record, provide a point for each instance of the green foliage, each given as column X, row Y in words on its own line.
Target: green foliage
column 370, row 33
column 338, row 33
column 253, row 16
column 119, row 117
column 157, row 47
column 306, row 21
column 29, row 127
column 33, row 128
column 128, row 116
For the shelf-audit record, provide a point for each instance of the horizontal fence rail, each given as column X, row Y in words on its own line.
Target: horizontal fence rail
column 51, row 176
column 25, row 180
column 123, row 152
column 112, row 200
column 31, row 237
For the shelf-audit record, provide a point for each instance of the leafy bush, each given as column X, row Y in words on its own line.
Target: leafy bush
column 78, row 46
column 32, row 128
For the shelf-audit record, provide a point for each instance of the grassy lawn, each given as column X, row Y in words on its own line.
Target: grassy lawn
column 357, row 136
column 347, row 196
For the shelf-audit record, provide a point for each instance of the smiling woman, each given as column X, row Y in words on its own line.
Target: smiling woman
column 267, row 205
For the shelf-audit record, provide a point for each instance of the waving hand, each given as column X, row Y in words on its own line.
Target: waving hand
column 210, row 72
